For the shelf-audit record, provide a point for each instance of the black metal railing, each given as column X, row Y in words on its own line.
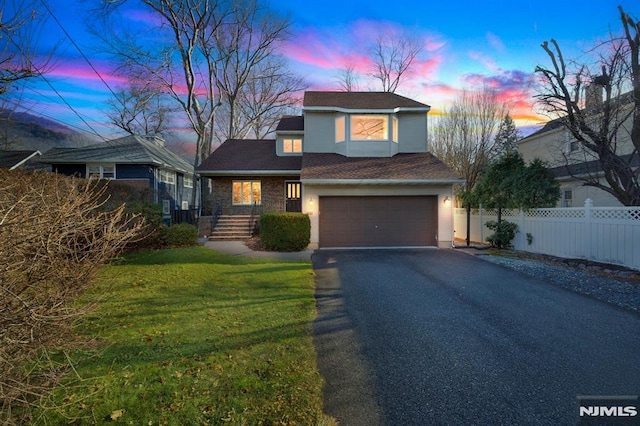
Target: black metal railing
column 216, row 216
column 189, row 216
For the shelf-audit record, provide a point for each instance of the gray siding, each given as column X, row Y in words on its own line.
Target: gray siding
column 319, row 136
column 412, row 132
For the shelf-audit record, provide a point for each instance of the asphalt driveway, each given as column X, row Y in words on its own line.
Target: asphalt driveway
column 415, row 337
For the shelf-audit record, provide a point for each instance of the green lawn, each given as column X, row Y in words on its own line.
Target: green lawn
column 189, row 337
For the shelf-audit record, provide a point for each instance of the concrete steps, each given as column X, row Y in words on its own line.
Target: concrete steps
column 233, row 228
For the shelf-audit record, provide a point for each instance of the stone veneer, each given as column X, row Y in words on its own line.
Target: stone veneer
column 273, row 199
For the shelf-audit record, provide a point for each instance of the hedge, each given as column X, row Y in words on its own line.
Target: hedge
column 285, row 231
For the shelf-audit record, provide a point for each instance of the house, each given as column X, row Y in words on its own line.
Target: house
column 571, row 163
column 356, row 162
column 143, row 162
column 27, row 160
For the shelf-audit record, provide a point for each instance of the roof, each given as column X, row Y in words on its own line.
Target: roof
column 360, row 101
column 295, row 123
column 132, row 149
column 401, row 167
column 589, row 167
column 15, row 159
column 249, row 155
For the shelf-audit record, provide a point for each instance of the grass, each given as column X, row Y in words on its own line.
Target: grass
column 192, row 336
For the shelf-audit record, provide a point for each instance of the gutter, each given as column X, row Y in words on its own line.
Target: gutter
column 380, row 181
column 248, row 172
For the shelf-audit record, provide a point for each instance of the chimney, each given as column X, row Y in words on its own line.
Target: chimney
column 592, row 95
column 155, row 139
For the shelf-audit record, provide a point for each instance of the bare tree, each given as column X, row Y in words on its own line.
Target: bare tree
column 267, row 96
column 464, row 138
column 393, row 57
column 247, row 48
column 347, row 79
column 19, row 26
column 608, row 130
column 139, row 109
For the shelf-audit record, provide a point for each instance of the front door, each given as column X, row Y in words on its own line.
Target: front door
column 293, row 196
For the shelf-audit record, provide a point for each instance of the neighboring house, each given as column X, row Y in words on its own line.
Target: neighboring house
column 139, row 161
column 570, row 162
column 356, row 162
column 27, row 160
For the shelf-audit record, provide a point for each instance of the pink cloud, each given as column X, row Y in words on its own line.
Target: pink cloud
column 484, row 60
column 495, row 42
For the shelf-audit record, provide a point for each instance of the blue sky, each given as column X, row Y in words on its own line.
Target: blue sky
column 467, row 44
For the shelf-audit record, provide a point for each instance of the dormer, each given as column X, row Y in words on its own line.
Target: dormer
column 290, row 136
column 364, row 124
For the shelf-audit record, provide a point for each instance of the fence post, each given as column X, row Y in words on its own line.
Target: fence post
column 588, row 204
column 523, row 239
column 481, row 225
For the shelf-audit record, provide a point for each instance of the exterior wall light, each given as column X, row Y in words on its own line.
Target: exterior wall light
column 310, row 201
column 446, row 200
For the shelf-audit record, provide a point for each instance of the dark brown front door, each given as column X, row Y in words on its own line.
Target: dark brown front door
column 385, row 221
column 293, row 196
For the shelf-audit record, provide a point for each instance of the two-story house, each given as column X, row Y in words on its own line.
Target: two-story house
column 572, row 164
column 355, row 162
column 139, row 161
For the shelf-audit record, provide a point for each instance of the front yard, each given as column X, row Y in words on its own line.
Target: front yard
column 192, row 336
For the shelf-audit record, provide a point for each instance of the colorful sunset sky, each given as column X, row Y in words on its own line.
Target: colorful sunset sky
column 466, row 45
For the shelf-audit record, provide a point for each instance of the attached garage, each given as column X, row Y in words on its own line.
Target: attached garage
column 378, row 221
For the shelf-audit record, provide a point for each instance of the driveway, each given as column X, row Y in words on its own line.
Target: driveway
column 415, row 337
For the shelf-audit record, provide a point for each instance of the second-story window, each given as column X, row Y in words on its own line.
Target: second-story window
column 340, row 129
column 292, row 146
column 369, row 127
column 167, row 176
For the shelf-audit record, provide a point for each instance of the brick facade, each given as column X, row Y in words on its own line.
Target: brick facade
column 272, row 194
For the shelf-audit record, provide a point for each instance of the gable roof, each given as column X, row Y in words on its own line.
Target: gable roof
column 132, row 149
column 249, row 156
column 360, row 101
column 401, row 168
column 294, row 123
column 14, row 159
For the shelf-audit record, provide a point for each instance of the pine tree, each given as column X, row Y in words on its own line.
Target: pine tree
column 506, row 141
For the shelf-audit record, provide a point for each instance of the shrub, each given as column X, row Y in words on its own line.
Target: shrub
column 182, row 234
column 285, row 231
column 153, row 234
column 54, row 236
column 504, row 233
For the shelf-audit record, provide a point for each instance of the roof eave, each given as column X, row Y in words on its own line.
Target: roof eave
column 392, row 110
column 248, row 172
column 381, row 181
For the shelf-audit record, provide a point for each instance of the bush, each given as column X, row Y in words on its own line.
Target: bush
column 504, row 233
column 54, row 236
column 182, row 234
column 285, row 231
column 153, row 234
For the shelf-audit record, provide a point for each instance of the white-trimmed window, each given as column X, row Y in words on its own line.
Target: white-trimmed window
column 187, row 181
column 247, row 192
column 167, row 176
column 567, row 198
column 369, row 127
column 292, row 146
column 340, row 129
column 394, row 129
column 101, row 171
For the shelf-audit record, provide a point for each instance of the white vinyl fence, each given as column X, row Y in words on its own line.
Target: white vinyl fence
column 601, row 234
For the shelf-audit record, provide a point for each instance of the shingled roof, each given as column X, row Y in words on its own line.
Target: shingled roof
column 359, row 100
column 417, row 167
column 257, row 156
column 295, row 123
column 130, row 149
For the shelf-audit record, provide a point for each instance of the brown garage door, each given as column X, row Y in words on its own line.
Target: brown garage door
column 378, row 221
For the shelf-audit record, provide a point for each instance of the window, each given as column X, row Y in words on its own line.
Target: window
column 369, row 127
column 187, row 181
column 292, row 145
column 394, row 129
column 246, row 192
column 567, row 198
column 101, row 171
column 167, row 176
column 340, row 129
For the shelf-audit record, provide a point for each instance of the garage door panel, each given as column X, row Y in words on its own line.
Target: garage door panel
column 378, row 221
